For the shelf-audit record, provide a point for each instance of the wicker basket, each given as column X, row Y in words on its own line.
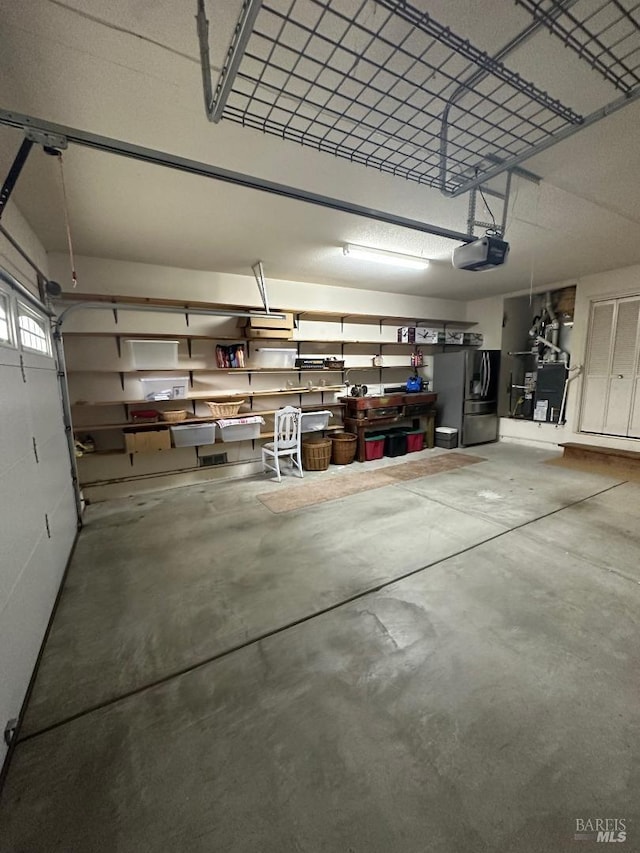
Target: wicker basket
column 316, row 454
column 344, row 448
column 224, row 410
column 174, row 416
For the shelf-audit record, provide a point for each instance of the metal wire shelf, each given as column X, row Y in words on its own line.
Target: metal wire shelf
column 387, row 86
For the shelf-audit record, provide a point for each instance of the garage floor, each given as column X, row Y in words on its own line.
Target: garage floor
column 446, row 664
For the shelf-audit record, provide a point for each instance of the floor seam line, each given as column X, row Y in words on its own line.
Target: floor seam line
column 295, row 623
column 440, row 502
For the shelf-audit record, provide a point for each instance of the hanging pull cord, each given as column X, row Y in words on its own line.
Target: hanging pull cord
column 65, row 207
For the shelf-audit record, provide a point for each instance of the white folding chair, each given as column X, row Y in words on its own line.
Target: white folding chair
column 286, row 441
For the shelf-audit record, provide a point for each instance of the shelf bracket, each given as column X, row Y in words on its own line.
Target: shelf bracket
column 119, row 345
column 131, row 459
column 115, row 315
column 191, row 379
column 189, row 347
column 122, row 380
column 186, row 318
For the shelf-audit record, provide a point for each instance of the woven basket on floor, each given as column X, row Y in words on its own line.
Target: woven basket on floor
column 316, row 454
column 224, row 410
column 344, row 448
column 175, row 416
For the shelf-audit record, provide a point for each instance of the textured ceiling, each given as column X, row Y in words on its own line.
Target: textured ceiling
column 131, row 70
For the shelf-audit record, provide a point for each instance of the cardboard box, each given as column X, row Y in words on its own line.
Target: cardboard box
column 263, row 321
column 473, row 339
column 263, row 326
column 269, row 334
column 428, row 336
column 453, row 337
column 147, row 441
column 407, row 335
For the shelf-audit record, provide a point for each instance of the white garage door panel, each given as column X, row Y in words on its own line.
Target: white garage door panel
column 54, row 458
column 32, row 560
column 44, row 403
column 36, row 360
column 62, row 533
column 21, row 522
column 15, row 441
column 30, row 605
column 634, row 426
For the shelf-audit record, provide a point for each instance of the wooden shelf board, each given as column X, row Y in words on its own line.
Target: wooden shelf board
column 205, row 420
column 217, row 394
column 152, row 336
column 302, row 315
column 262, row 436
column 244, row 370
column 239, row 339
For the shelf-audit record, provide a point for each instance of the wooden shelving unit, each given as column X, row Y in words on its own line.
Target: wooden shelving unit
column 346, row 344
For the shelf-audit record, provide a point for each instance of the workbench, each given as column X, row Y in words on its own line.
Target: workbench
column 370, row 414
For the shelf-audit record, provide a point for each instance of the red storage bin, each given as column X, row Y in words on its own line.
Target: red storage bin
column 415, row 441
column 373, row 447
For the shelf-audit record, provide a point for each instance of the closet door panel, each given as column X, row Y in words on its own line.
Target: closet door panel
column 597, row 372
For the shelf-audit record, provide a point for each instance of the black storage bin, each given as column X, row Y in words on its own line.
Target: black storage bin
column 395, row 443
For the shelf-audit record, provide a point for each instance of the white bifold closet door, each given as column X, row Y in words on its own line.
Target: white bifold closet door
column 611, row 398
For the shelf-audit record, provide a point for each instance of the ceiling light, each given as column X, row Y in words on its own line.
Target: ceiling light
column 382, row 256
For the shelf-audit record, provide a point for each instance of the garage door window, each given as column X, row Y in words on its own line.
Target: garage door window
column 5, row 328
column 34, row 334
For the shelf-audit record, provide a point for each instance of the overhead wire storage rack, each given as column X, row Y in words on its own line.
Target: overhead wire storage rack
column 385, row 85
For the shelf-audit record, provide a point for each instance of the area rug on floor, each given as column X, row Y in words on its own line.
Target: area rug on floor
column 336, row 486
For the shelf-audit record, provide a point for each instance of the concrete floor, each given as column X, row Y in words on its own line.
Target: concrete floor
column 445, row 665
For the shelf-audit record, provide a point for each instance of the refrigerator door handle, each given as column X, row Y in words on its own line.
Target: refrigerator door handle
column 486, row 393
column 484, row 375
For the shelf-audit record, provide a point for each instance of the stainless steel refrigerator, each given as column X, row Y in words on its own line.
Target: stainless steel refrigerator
column 466, row 383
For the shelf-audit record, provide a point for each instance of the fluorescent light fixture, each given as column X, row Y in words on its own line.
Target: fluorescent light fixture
column 382, row 256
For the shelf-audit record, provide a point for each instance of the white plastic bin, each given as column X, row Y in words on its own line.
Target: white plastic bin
column 193, row 435
column 315, row 421
column 275, row 357
column 164, row 388
column 240, row 429
column 153, row 355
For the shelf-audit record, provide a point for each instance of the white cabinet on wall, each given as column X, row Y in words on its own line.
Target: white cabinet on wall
column 611, row 396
